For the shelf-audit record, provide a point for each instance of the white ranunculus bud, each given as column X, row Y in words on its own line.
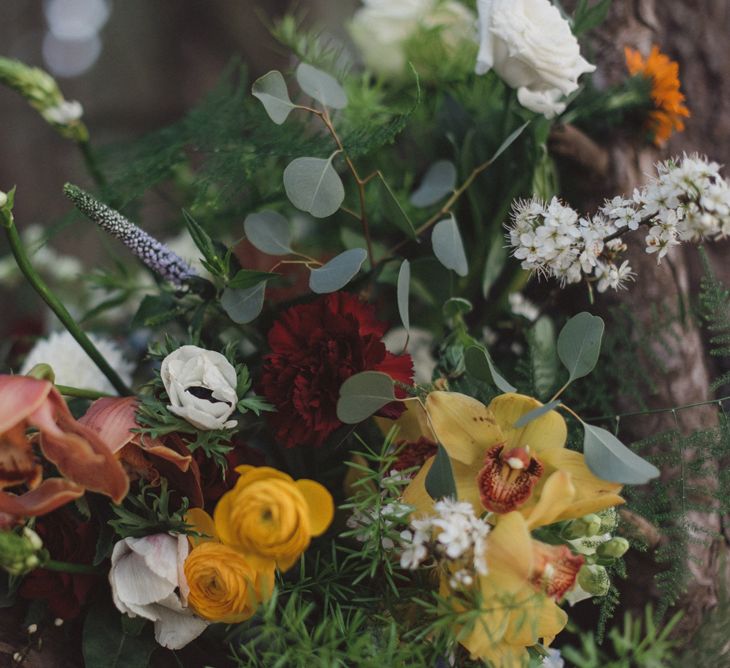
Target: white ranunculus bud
column 201, row 385
column 65, row 112
column 147, row 580
column 532, row 48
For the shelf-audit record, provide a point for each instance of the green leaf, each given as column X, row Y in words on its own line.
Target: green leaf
column 496, row 259
column 364, row 394
column 269, row 232
column 394, row 211
column 448, row 246
column 403, row 292
column 243, row 306
column 271, row 90
column 439, row 181
column 248, row 278
column 338, row 272
column 105, row 643
column 579, row 344
column 321, row 86
column 610, row 459
column 536, row 413
column 586, row 18
column 543, row 356
column 440, row 478
column 479, row 364
column 508, row 142
column 201, row 239
column 313, row 185
column 457, row 306
column 156, row 310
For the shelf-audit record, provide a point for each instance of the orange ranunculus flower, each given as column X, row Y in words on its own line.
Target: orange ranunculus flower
column 115, row 419
column 84, row 459
column 225, row 586
column 270, row 517
column 669, row 107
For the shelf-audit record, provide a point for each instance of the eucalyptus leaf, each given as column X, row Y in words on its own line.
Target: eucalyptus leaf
column 243, row 306
column 439, row 481
column 480, row 365
column 543, row 356
column 536, row 413
column 269, row 232
column 456, row 306
column 338, row 272
column 271, row 90
column 579, row 344
column 313, row 185
column 393, row 209
column 610, row 459
column 321, row 86
column 403, row 292
column 439, row 181
column 508, row 142
column 364, row 394
column 496, row 259
column 448, row 246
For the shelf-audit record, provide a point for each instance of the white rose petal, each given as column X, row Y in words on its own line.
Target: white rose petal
column 191, row 370
column 532, row 48
column 147, row 580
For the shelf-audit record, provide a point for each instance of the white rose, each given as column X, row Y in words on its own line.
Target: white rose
column 381, row 28
column 148, row 580
column 532, row 48
column 201, row 385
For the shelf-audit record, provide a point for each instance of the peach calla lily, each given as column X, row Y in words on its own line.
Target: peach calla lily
column 84, row 459
column 114, row 420
column 500, row 468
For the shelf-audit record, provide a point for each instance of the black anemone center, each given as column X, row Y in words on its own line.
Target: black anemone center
column 204, row 393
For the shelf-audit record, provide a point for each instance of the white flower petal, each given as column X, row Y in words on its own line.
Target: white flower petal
column 174, row 629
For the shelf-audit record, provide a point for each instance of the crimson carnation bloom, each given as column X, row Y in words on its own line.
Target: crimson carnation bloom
column 314, row 349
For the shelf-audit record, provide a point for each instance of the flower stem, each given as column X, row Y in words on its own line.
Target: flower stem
column 67, row 567
column 55, row 304
column 91, row 164
column 80, row 393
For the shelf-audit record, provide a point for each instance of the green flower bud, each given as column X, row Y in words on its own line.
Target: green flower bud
column 615, row 548
column 3, row 199
column 594, row 579
column 19, row 552
column 42, row 372
column 583, row 527
column 609, row 520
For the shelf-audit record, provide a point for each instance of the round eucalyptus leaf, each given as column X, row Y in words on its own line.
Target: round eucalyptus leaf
column 338, row 272
column 271, row 90
column 479, row 364
column 243, row 305
column 269, row 232
column 403, row 292
column 448, row 246
column 610, row 459
column 313, row 185
column 364, row 394
column 439, row 181
column 321, row 86
column 579, row 344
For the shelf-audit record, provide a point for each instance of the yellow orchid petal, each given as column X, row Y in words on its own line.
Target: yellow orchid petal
column 540, row 617
column 320, row 503
column 509, row 551
column 556, row 496
column 416, row 495
column 464, row 426
column 467, row 488
column 546, row 432
column 202, row 523
column 591, row 492
column 412, row 424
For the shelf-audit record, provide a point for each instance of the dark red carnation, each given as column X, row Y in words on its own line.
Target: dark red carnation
column 67, row 539
column 414, row 453
column 314, row 349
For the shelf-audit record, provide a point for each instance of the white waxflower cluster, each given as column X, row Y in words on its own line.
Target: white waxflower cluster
column 454, row 535
column 688, row 200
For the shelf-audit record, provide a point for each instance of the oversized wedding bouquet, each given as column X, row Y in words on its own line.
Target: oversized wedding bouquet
column 323, row 425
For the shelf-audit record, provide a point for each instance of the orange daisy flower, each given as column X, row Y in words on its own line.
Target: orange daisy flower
column 665, row 93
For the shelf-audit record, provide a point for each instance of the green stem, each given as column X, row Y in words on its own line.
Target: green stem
column 80, row 393
column 91, row 164
column 39, row 285
column 67, row 567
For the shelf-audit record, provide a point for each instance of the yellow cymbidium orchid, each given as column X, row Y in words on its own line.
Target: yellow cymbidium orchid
column 518, row 595
column 500, row 468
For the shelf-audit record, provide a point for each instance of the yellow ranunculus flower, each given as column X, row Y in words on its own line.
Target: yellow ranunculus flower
column 271, row 517
column 224, row 585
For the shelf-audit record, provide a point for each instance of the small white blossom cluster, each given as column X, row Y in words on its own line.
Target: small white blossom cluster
column 688, row 200
column 390, row 514
column 454, row 535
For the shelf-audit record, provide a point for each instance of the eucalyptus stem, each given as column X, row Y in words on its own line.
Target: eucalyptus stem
column 67, row 567
column 80, row 393
column 55, row 304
